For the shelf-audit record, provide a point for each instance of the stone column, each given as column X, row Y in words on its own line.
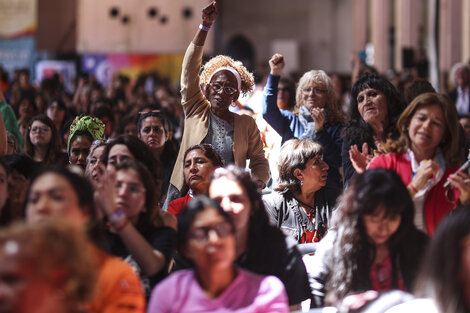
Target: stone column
column 407, row 19
column 450, row 33
column 380, row 33
column 465, row 30
column 360, row 22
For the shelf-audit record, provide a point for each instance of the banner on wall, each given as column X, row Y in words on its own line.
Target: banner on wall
column 17, row 53
column 65, row 69
column 17, row 18
column 104, row 66
column 18, row 22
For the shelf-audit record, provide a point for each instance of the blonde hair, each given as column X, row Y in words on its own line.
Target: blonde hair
column 247, row 80
column 320, row 77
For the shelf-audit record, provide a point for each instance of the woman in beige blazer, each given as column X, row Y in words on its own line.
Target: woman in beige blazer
column 206, row 100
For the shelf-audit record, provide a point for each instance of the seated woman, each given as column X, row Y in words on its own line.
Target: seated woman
column 375, row 108
column 261, row 247
column 137, row 233
column 207, row 116
column 62, row 195
column 199, row 163
column 83, row 131
column 302, row 205
column 42, row 142
column 373, row 243
column 444, row 281
column 424, row 156
column 58, row 281
column 206, row 236
column 317, row 116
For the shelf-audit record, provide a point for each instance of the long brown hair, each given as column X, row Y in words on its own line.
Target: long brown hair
column 53, row 150
column 450, row 142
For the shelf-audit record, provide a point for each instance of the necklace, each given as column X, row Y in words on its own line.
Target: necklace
column 309, row 207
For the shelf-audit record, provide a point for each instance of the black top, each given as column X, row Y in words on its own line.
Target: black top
column 162, row 239
column 286, row 264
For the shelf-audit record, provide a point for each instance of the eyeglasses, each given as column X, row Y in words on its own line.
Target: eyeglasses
column 317, row 91
column 201, row 234
column 153, row 111
column 284, row 89
column 227, row 89
column 36, row 129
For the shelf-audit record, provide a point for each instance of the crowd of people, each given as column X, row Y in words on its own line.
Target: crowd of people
column 125, row 199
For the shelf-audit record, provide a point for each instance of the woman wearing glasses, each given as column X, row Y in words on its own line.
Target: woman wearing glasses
column 137, row 233
column 316, row 115
column 42, row 142
column 206, row 236
column 207, row 117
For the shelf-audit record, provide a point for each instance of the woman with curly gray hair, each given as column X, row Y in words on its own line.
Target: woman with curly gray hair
column 207, row 116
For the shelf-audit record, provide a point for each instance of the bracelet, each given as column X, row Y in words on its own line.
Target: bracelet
column 120, row 228
column 117, row 215
column 413, row 188
column 204, row 28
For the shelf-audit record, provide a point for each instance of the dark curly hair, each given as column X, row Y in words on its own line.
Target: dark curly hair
column 357, row 131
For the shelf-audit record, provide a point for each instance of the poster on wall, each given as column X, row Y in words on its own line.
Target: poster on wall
column 17, row 53
column 18, row 22
column 104, row 66
column 65, row 69
column 17, row 18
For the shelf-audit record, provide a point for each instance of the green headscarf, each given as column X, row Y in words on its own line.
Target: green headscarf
column 93, row 125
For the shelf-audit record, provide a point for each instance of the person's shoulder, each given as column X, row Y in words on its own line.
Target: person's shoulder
column 273, row 197
column 243, row 118
column 117, row 277
column 387, row 160
column 177, row 278
column 115, row 268
column 415, row 306
column 331, row 193
column 264, row 281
